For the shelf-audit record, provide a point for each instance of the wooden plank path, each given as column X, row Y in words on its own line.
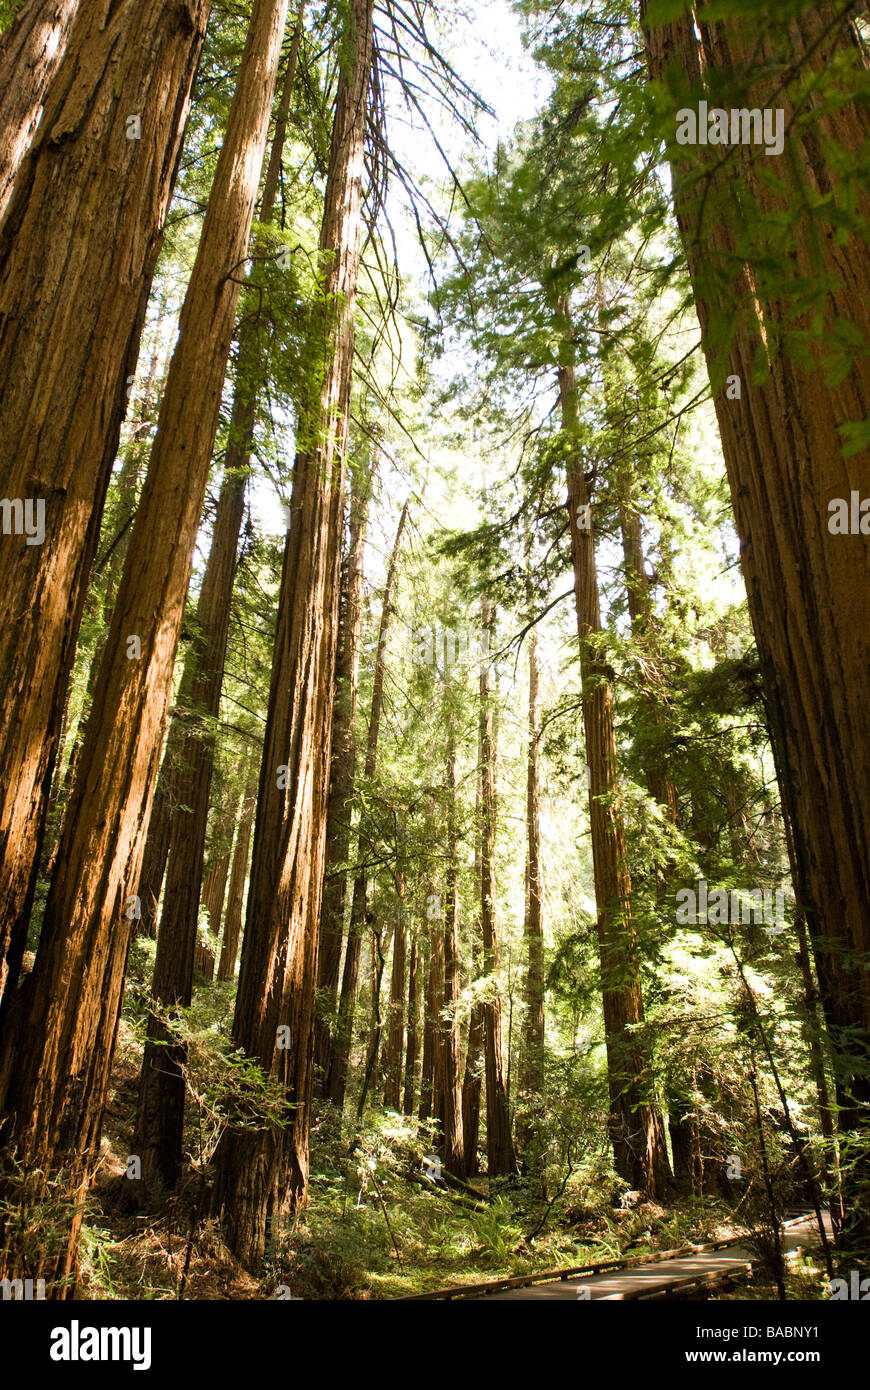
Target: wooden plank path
column 664, row 1278
column 591, row 1281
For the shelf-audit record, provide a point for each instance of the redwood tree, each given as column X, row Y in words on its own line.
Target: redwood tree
column 341, row 1046
column 236, row 892
column 395, row 1046
column 448, row 1083
column 499, row 1145
column 636, row 1128
column 342, row 775
column 532, row 1070
column 161, row 1090
column 259, row 1175
column 56, row 1083
column 413, row 1026
column 784, row 434
column 77, row 251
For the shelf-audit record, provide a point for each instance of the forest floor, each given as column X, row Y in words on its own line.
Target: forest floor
column 375, row 1227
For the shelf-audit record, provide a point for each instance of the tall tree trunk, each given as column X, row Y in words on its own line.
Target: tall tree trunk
column 396, row 1021
column 471, row 1084
column 659, row 784
column 159, row 1131
column 784, row 456
column 106, row 576
column 413, row 1028
column 471, row 1080
column 446, row 1025
column 62, row 1057
column 499, row 1146
column 156, row 849
column 681, row 1128
column 813, row 1039
column 214, row 888
column 259, row 1175
column 236, row 895
column 30, row 54
column 159, row 1136
column 214, row 891
column 77, row 251
column 532, row 1072
column 336, row 1081
column 431, row 995
column 636, row 1128
column 340, row 1061
column 343, row 777
column 376, row 1022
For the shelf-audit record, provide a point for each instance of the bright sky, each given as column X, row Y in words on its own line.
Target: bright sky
column 482, row 41
column 485, row 48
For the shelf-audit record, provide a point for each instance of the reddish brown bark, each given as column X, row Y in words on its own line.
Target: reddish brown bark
column 77, row 250
column 260, row 1175
column 180, row 953
column 159, row 1128
column 380, row 949
column 343, row 776
column 471, row 1086
column 158, row 1138
column 214, row 890
column 636, row 1128
column 30, row 54
column 431, row 994
column 156, row 846
column 343, row 1041
column 807, row 588
column 471, row 1080
column 61, row 1060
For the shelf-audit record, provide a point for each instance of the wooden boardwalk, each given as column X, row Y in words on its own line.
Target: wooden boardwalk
column 661, row 1279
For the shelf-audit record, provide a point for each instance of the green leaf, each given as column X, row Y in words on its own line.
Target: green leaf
column 664, row 11
column 855, row 435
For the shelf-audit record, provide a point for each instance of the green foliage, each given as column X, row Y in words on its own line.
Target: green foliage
column 8, row 11
column 36, row 1211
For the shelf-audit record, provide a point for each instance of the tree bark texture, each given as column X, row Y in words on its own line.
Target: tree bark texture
column 179, row 953
column 342, row 778
column 636, row 1128
column 62, row 1058
column 31, row 51
column 78, row 247
column 785, row 461
column 261, row 1175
